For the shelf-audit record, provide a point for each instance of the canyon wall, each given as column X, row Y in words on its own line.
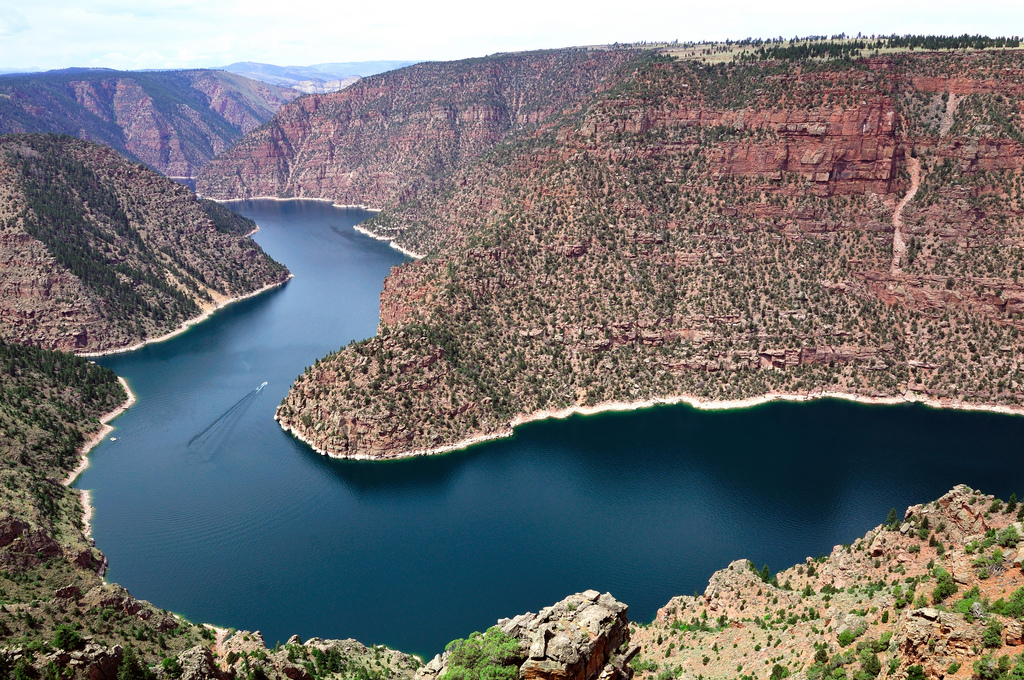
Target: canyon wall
column 382, row 140
column 708, row 232
column 100, row 253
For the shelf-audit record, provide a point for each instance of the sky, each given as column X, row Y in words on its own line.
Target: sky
column 135, row 34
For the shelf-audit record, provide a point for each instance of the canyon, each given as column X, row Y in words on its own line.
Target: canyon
column 714, row 233
column 600, row 228
column 382, row 141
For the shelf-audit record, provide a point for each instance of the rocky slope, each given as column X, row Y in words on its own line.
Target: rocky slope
column 49, row 402
column 708, row 232
column 938, row 593
column 382, row 140
column 100, row 253
column 173, row 121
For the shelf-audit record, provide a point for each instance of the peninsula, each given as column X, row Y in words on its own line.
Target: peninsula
column 838, row 218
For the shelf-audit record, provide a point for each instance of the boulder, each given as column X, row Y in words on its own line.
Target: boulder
column 102, row 663
column 583, row 637
column 1014, row 633
column 197, row 664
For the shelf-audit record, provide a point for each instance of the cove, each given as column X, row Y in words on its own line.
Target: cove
column 205, row 507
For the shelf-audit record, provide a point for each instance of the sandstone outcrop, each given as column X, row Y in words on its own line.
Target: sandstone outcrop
column 197, row 663
column 244, row 652
column 583, row 637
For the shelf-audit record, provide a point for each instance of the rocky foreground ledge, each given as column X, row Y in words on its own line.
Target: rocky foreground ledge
column 936, row 592
column 583, row 637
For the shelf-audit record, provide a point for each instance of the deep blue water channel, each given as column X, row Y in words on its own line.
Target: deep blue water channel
column 205, row 507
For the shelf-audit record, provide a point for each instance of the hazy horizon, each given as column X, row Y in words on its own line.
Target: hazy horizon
column 171, row 34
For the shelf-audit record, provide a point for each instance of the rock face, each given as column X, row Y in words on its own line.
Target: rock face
column 197, row 664
column 698, row 232
column 380, row 141
column 173, row 121
column 934, row 639
column 245, row 652
column 583, row 637
column 99, row 253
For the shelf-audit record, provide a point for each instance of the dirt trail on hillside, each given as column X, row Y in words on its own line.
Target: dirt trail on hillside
column 899, row 244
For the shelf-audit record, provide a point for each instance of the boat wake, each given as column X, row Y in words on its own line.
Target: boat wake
column 209, row 440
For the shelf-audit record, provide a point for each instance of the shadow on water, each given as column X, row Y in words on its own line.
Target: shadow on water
column 644, row 504
column 378, row 480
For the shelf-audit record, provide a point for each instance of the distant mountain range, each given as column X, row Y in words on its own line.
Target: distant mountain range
column 315, row 79
column 173, row 121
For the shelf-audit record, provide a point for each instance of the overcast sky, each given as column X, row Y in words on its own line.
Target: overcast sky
column 135, row 34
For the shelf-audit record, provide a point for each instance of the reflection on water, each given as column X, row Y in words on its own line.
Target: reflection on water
column 204, row 506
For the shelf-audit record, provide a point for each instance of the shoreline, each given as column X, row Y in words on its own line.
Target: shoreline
column 360, row 206
column 376, row 237
column 692, row 401
column 189, row 322
column 362, row 230
column 83, row 463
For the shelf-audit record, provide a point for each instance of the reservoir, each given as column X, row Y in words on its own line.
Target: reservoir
column 206, row 508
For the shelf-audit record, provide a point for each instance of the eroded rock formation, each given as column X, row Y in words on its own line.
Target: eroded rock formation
column 583, row 637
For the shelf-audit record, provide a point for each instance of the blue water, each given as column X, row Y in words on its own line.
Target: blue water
column 205, row 507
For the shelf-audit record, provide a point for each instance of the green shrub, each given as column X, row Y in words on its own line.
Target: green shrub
column 944, row 585
column 848, row 636
column 483, row 656
column 171, row 667
column 870, row 664
column 133, row 668
column 644, row 665
column 67, row 638
column 1008, row 537
column 993, row 635
column 1014, row 608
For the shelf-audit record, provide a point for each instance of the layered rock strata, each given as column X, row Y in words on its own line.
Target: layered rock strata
column 703, row 233
column 388, row 137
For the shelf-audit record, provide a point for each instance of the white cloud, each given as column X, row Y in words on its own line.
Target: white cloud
column 190, row 33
